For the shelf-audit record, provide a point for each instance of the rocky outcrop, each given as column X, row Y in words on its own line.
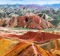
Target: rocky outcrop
column 45, row 16
column 30, row 21
column 3, row 22
column 12, row 22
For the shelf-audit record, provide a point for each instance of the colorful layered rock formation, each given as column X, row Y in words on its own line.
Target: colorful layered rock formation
column 30, row 21
column 34, row 36
column 15, row 47
column 6, row 45
column 25, row 45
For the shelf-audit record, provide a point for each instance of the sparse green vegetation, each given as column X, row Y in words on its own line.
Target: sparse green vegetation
column 20, row 28
column 55, row 22
column 51, row 29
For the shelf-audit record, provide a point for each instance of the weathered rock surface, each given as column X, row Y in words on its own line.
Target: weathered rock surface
column 30, row 21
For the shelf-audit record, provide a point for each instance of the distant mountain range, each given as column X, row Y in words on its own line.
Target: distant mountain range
column 33, row 6
column 53, row 5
